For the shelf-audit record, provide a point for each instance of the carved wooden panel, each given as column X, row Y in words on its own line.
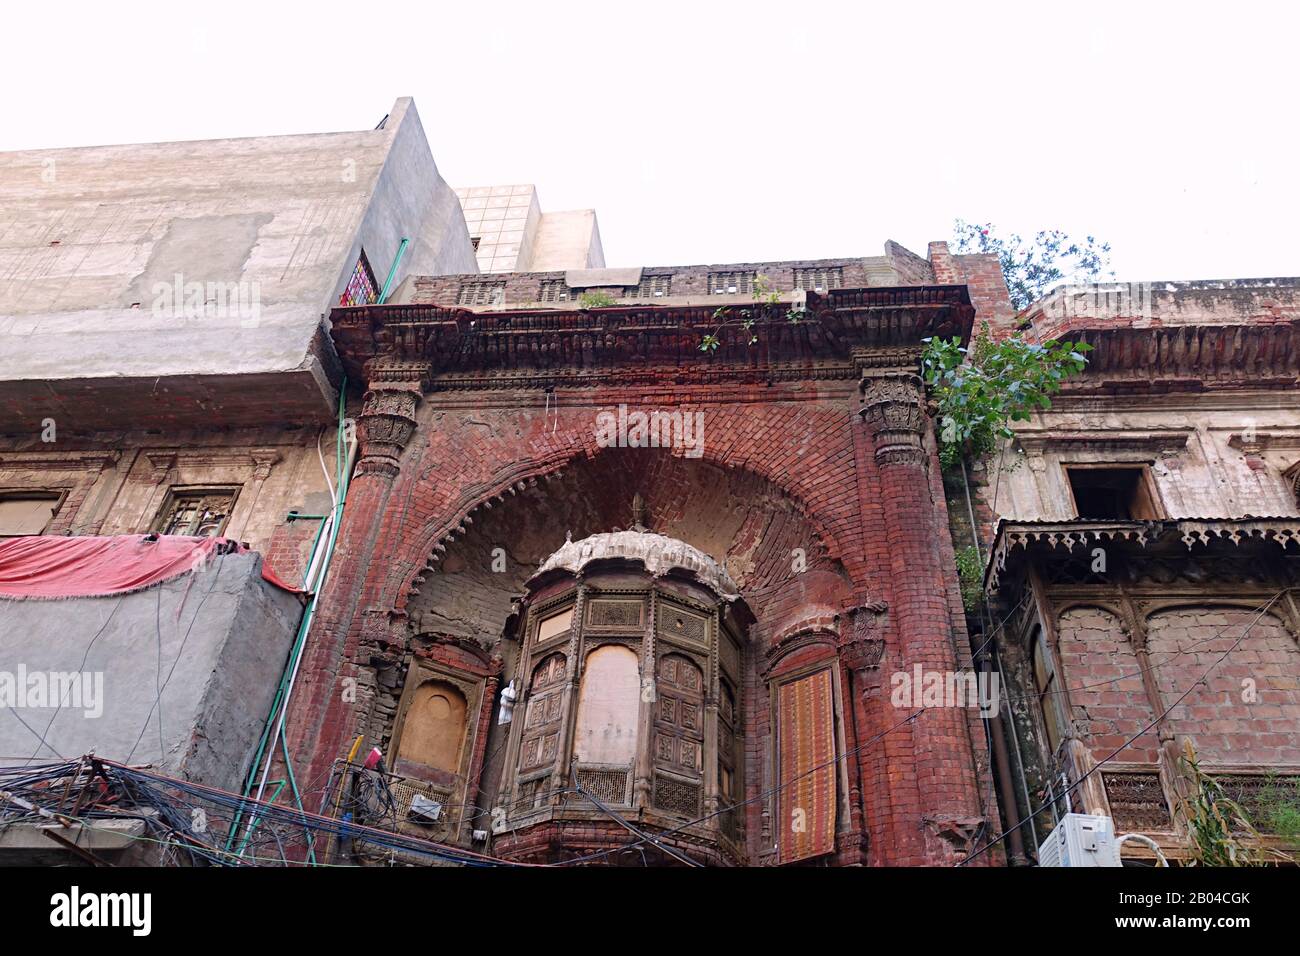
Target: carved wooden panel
column 728, row 775
column 675, row 622
column 542, row 722
column 615, row 613
column 1137, row 802
column 679, row 716
column 728, row 655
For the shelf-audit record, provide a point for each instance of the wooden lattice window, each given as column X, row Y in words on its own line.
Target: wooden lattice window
column 200, row 512
column 361, row 288
column 477, row 292
column 819, row 278
column 730, row 283
column 555, row 290
column 679, row 717
column 650, row 287
column 541, row 739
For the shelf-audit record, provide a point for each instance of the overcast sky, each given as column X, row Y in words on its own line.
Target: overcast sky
column 717, row 132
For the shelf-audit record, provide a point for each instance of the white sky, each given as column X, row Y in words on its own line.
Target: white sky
column 721, row 132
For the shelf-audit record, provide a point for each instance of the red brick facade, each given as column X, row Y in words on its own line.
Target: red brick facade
column 816, row 482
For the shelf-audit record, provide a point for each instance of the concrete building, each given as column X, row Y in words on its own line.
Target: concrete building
column 168, row 370
column 510, row 232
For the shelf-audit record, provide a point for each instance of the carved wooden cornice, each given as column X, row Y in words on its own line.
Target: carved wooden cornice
column 1017, row 538
column 512, row 348
column 1189, row 357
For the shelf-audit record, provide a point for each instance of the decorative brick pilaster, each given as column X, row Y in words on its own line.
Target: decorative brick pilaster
column 893, row 407
column 323, row 717
column 930, row 786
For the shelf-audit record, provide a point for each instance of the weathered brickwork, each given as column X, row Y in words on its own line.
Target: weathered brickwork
column 1108, row 702
column 818, row 490
column 1248, row 711
column 1148, row 524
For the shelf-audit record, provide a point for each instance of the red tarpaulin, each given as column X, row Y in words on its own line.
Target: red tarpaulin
column 69, row 567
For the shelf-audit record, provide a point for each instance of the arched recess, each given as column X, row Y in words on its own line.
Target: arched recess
column 1236, row 662
column 434, row 730
column 767, row 543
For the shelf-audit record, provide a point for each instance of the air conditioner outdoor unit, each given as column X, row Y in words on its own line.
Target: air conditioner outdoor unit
column 1080, row 839
column 424, row 810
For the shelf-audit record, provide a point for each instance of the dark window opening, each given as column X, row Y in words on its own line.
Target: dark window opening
column 1113, row 494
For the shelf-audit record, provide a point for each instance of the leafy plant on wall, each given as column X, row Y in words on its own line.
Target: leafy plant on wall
column 767, row 301
column 980, row 389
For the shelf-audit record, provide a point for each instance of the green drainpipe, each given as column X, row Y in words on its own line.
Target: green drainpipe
column 392, row 273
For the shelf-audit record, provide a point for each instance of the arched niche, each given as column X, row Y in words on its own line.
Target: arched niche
column 433, row 733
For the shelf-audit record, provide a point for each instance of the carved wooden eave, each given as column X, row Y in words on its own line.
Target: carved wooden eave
column 1259, row 355
column 463, row 348
column 1014, row 541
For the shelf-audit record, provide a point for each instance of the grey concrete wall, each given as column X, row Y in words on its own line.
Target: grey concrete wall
column 568, row 240
column 215, row 642
column 268, row 228
column 412, row 201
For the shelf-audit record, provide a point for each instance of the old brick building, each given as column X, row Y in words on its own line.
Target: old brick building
column 599, row 592
column 1143, row 569
column 698, row 618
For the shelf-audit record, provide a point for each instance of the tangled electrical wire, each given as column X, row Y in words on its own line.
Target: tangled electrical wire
column 189, row 824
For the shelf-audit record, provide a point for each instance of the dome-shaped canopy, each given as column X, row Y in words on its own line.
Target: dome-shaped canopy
column 659, row 553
